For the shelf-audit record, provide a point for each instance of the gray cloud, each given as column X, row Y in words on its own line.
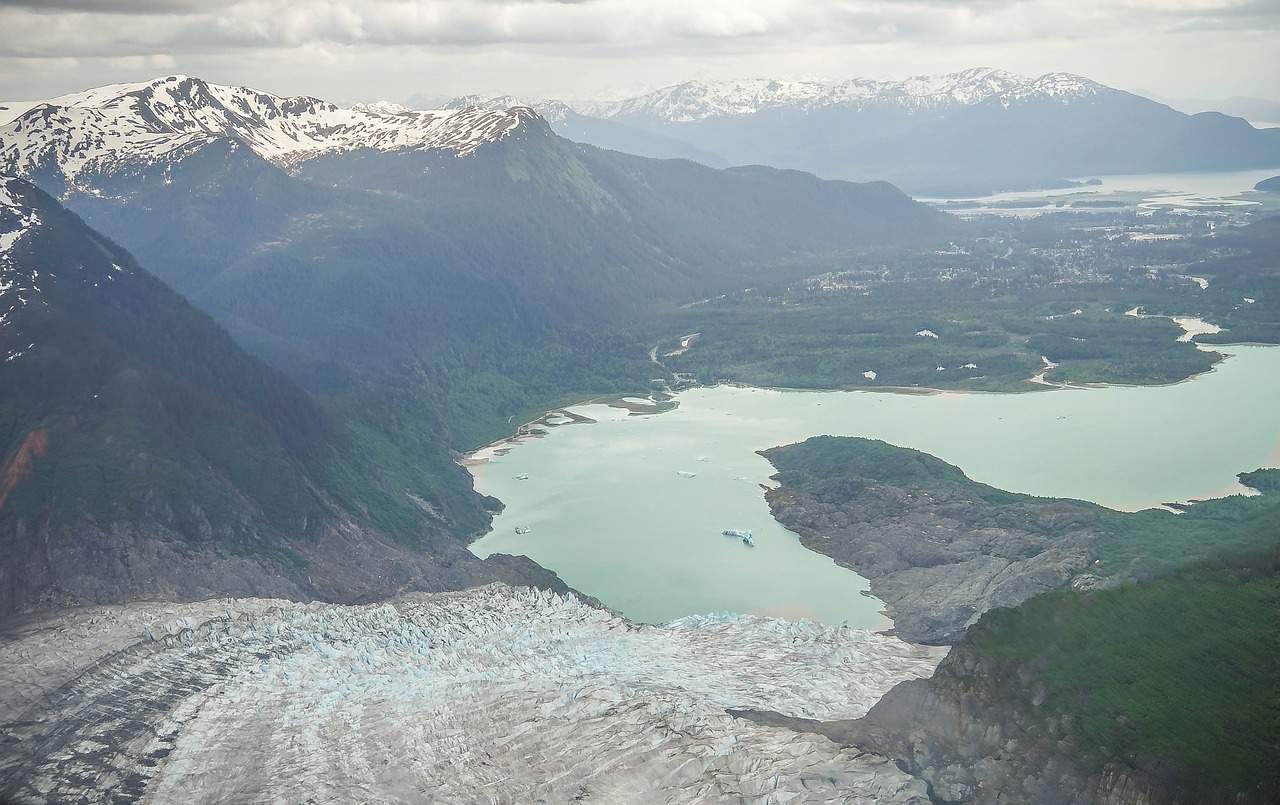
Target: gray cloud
column 632, row 40
column 32, row 28
column 115, row 6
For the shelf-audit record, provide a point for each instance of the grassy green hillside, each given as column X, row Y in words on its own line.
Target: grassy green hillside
column 1182, row 669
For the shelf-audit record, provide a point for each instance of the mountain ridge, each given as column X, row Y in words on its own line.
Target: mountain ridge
column 145, row 454
column 110, row 128
column 697, row 100
column 970, row 132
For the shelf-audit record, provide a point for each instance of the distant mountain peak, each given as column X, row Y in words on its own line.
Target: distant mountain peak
column 553, row 111
column 699, row 100
column 163, row 120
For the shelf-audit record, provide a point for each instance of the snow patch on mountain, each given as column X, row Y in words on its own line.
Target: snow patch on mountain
column 26, row 282
column 11, row 109
column 494, row 694
column 697, row 100
column 18, row 284
column 551, row 110
column 135, row 125
column 16, row 220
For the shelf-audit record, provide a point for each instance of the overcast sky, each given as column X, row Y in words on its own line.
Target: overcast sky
column 349, row 50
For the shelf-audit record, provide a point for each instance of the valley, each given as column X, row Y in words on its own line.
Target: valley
column 441, row 452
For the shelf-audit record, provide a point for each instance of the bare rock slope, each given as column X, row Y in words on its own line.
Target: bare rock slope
column 938, row 548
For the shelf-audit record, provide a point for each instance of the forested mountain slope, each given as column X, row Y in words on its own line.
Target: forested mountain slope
column 426, row 281
column 145, row 454
column 470, row 279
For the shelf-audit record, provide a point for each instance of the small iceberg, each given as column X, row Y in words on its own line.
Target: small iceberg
column 686, row 474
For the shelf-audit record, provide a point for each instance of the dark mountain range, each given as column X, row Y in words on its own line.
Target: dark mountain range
column 975, row 131
column 146, row 455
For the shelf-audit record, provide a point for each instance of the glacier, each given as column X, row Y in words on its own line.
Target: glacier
column 493, row 694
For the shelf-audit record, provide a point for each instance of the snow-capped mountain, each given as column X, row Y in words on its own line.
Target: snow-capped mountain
column 18, row 281
column 553, row 111
column 161, row 121
column 972, row 131
column 698, row 100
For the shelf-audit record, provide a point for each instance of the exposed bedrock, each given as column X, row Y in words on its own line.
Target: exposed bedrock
column 975, row 734
column 935, row 550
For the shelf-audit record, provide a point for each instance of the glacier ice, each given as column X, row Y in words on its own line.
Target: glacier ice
column 492, row 694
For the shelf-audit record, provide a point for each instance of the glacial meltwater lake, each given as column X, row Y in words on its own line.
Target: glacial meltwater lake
column 610, row 505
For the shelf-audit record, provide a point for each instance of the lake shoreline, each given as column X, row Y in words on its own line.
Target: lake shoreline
column 646, row 406
column 1034, row 384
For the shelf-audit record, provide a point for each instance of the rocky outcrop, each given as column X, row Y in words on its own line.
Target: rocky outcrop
column 938, row 548
column 974, row 735
column 50, row 566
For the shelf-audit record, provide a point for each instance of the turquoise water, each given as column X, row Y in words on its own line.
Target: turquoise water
column 609, row 511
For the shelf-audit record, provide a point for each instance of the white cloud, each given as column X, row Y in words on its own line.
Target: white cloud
column 559, row 45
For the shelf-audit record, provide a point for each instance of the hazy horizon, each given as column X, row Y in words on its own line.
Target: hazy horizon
column 365, row 50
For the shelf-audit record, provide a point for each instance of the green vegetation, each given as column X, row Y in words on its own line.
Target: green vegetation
column 835, row 468
column 1130, row 545
column 1170, row 665
column 983, row 342
column 148, row 412
column 138, row 392
column 1181, row 669
column 1146, row 543
column 418, row 292
column 997, row 303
